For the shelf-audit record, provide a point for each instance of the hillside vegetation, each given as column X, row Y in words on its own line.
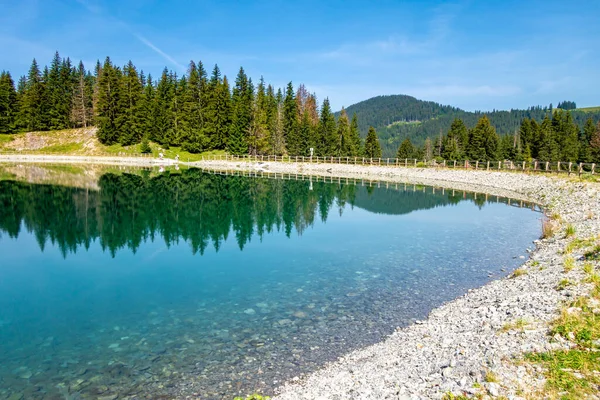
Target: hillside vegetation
column 392, row 115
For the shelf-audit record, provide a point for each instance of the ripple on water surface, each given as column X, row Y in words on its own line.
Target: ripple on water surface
column 194, row 283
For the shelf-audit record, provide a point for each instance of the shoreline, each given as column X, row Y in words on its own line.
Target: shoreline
column 461, row 341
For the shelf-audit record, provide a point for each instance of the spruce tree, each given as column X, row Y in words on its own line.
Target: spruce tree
column 459, row 134
column 218, row 111
column 8, row 104
column 131, row 123
column 595, row 145
column 195, row 109
column 148, row 111
column 547, row 144
column 81, row 109
column 109, row 104
column 34, row 103
column 344, row 143
column 241, row 119
column 372, row 147
column 290, row 122
column 570, row 143
column 258, row 139
column 326, row 132
column 406, row 150
column 483, row 141
column 163, row 117
column 585, row 138
column 355, row 137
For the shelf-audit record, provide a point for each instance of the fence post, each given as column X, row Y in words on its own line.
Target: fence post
column 593, row 168
column 523, row 165
column 476, row 164
column 466, row 163
column 547, row 165
column 570, row 163
column 558, row 167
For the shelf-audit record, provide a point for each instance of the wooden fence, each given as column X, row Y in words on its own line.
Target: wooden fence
column 524, row 166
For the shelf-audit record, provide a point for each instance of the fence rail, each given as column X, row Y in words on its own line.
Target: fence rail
column 505, row 165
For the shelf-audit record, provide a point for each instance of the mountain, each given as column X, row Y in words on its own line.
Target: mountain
column 397, row 117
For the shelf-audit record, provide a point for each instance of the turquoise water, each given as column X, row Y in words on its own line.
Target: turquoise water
column 190, row 283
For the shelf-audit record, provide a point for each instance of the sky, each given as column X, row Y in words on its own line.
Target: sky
column 473, row 54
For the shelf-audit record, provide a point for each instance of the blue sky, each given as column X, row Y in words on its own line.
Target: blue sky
column 477, row 55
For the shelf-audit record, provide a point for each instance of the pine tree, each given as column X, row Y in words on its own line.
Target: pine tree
column 241, row 100
column 109, row 104
column 218, row 111
column 290, row 122
column 483, row 141
column 326, row 132
column 459, row 134
column 148, row 111
column 194, row 105
column 81, row 109
column 595, row 145
column 259, row 129
column 8, row 104
column 344, row 144
column 372, row 147
column 34, row 103
column 406, row 150
column 547, row 145
column 131, row 118
column 585, row 138
column 427, row 150
column 355, row 137
column 570, row 143
column 163, row 117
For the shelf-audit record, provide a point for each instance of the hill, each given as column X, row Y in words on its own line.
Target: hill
column 397, row 117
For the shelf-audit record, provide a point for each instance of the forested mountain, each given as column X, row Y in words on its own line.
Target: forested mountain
column 398, row 117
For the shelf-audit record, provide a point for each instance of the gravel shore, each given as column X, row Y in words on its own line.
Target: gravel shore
column 463, row 341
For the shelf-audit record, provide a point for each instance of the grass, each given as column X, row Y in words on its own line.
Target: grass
column 593, row 254
column 452, row 396
column 64, row 148
column 563, row 284
column 588, row 109
column 490, row 377
column 519, row 324
column 518, row 272
column 570, row 231
column 577, row 244
column 253, row 397
column 573, row 374
column 6, row 138
column 548, row 228
column 569, row 264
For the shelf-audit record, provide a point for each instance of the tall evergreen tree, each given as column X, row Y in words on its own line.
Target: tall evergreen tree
column 8, row 104
column 241, row 100
column 372, row 146
column 345, row 146
column 195, row 103
column 34, row 103
column 290, row 122
column 131, row 123
column 355, row 137
column 406, row 150
column 258, row 138
column 326, row 132
column 218, row 111
column 110, row 104
column 547, row 144
column 595, row 145
column 585, row 138
column 163, row 117
column 81, row 108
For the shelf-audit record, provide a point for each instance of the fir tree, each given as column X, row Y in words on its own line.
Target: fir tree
column 355, row 137
column 109, row 104
column 290, row 122
column 34, row 103
column 406, row 150
column 8, row 104
column 81, row 108
column 372, row 147
column 163, row 116
column 595, row 145
column 547, row 145
column 326, row 131
column 131, row 123
column 258, row 139
column 218, row 111
column 585, row 138
column 194, row 106
column 345, row 145
column 241, row 100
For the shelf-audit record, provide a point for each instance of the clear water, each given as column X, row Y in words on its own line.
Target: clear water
column 190, row 283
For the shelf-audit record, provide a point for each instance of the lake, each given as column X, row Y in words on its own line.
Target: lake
column 145, row 284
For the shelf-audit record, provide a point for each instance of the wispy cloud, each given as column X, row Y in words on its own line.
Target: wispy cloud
column 98, row 11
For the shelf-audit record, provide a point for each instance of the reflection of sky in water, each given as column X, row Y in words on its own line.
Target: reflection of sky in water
column 288, row 303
